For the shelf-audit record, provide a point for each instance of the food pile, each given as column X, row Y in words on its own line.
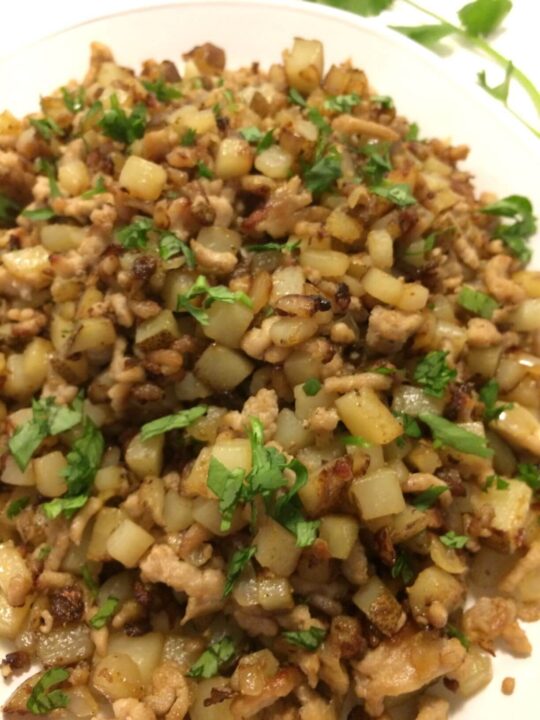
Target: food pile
column 269, row 400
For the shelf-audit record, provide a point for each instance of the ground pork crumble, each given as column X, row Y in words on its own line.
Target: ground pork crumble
column 269, row 400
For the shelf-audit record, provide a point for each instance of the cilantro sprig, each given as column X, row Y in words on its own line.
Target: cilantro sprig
column 434, row 374
column 402, row 568
column 179, row 420
column 477, row 302
column 342, row 103
column 120, row 126
column 43, row 699
column 514, row 234
column 446, row 433
column 307, row 639
column 427, row 498
column 254, row 136
column 237, row 563
column 162, row 90
column 452, row 540
column 489, row 394
column 215, row 656
column 46, row 127
column 104, row 613
column 201, row 287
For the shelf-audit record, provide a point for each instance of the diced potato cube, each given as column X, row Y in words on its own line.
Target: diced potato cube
column 304, row 64
column 222, row 368
column 434, row 585
column 128, row 543
column 220, row 239
column 157, row 332
column 13, row 475
column 380, row 606
column 109, row 480
column 378, row 494
column 340, row 532
column 345, row 228
column 526, row 317
column 329, row 263
column 511, row 508
column 201, row 707
column 177, row 512
column 529, row 281
column 142, row 178
column 383, row 286
column 106, row 522
column 276, row 549
column 380, row 246
column 60, row 237
column 14, row 573
column 234, row 453
column 519, row 427
column 145, row 457
column 305, row 405
column 275, row 594
column 275, row 162
column 145, row 650
column 48, row 473
column 73, row 177
column 31, row 265
column 234, row 158
column 92, row 334
column 364, row 413
column 117, row 676
column 207, row 513
column 413, row 298
column 290, row 331
column 12, row 618
column 227, row 323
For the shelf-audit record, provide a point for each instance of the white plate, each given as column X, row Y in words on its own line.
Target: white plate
column 505, row 158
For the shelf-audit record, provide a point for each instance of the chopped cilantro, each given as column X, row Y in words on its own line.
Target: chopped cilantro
column 181, row 419
column 453, row 540
column 204, row 171
column 120, row 126
column 413, row 132
column 514, row 235
column 188, row 138
column 46, row 127
column 453, row 632
column 296, row 98
column 271, row 246
column 529, row 474
column 449, row 434
column 42, row 699
column 342, row 103
column 385, row 101
column 489, row 394
column 170, row 245
column 216, row 655
column 135, row 235
column 497, row 481
column 307, row 639
column 39, row 214
column 217, row 292
column 402, row 568
column 74, row 99
column 16, row 506
column 48, row 168
column 428, row 498
column 98, row 189
column 9, row 210
column 378, row 163
column 398, row 193
column 321, row 176
column 105, row 612
column 477, row 302
column 434, row 374
column 357, row 440
column 237, row 563
column 162, row 90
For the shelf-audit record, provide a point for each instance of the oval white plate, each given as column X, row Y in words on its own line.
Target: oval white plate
column 504, row 158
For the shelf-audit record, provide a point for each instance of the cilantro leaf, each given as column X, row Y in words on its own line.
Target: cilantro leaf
column 270, row 246
column 385, row 101
column 312, row 386
column 119, row 126
column 104, row 613
column 323, row 128
column 322, row 175
column 378, row 163
column 425, row 34
column 47, row 419
column 46, row 127
column 228, row 486
column 213, row 293
column 74, row 99
column 252, row 134
column 38, row 214
column 360, row 7
column 426, row 499
column 162, row 90
column 451, row 435
column 453, row 540
column 296, row 98
column 529, row 474
column 402, row 567
column 135, row 235
column 398, row 193
column 42, row 700
column 48, row 168
column 453, row 632
column 489, row 394
column 181, row 419
column 434, row 374
column 213, row 658
column 383, row 370
column 307, row 639
column 342, row 103
column 170, row 245
column 9, row 210
column 482, row 17
column 98, row 189
column 237, row 563
column 188, row 138
column 204, row 171
column 411, row 428
column 499, row 482
column 514, row 235
column 89, row 581
column 412, row 132
column 499, row 92
column 477, row 302
column 357, row 440
column 16, row 506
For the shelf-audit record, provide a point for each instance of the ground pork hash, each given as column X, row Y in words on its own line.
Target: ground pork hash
column 270, row 400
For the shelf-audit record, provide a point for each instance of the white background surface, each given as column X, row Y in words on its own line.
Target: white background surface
column 25, row 21
column 503, row 159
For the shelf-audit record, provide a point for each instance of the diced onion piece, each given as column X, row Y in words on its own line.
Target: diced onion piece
column 378, row 494
column 60, row 237
column 342, row 226
column 31, row 265
column 291, row 434
column 276, row 549
column 329, row 263
column 235, row 453
column 381, row 248
column 380, row 606
column 65, row 645
column 227, row 323
column 446, row 558
column 73, row 177
column 145, row 457
column 93, row 334
column 383, row 286
column 340, row 532
column 301, row 366
column 509, row 372
column 119, row 586
column 142, row 178
column 117, row 676
column 364, row 414
column 424, row 457
column 220, row 239
column 275, row 162
column 109, row 480
column 304, row 64
column 13, row 570
column 48, row 473
column 526, row 317
column 157, row 332
column 412, row 400
column 190, row 117
column 234, row 158
column 128, row 543
column 146, row 651
column 287, row 281
column 222, row 368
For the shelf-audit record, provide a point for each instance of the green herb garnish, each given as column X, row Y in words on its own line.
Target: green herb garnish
column 104, row 613
column 237, row 563
column 342, row 103
column 453, row 632
column 98, row 189
column 204, row 171
column 74, row 99
column 426, row 499
column 453, row 540
column 296, row 98
column 321, row 176
column 529, row 474
column 39, row 214
column 179, row 420
column 46, row 127
column 451, row 435
column 120, row 126
column 477, row 302
column 188, row 138
column 17, row 506
column 271, row 246
column 514, row 235
column 497, row 481
column 42, row 699
column 308, row 639
column 217, row 292
column 135, row 235
column 489, row 394
column 402, row 568
column 356, row 440
column 434, row 374
column 162, row 90
column 171, row 245
column 208, row 665
column 398, row 193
